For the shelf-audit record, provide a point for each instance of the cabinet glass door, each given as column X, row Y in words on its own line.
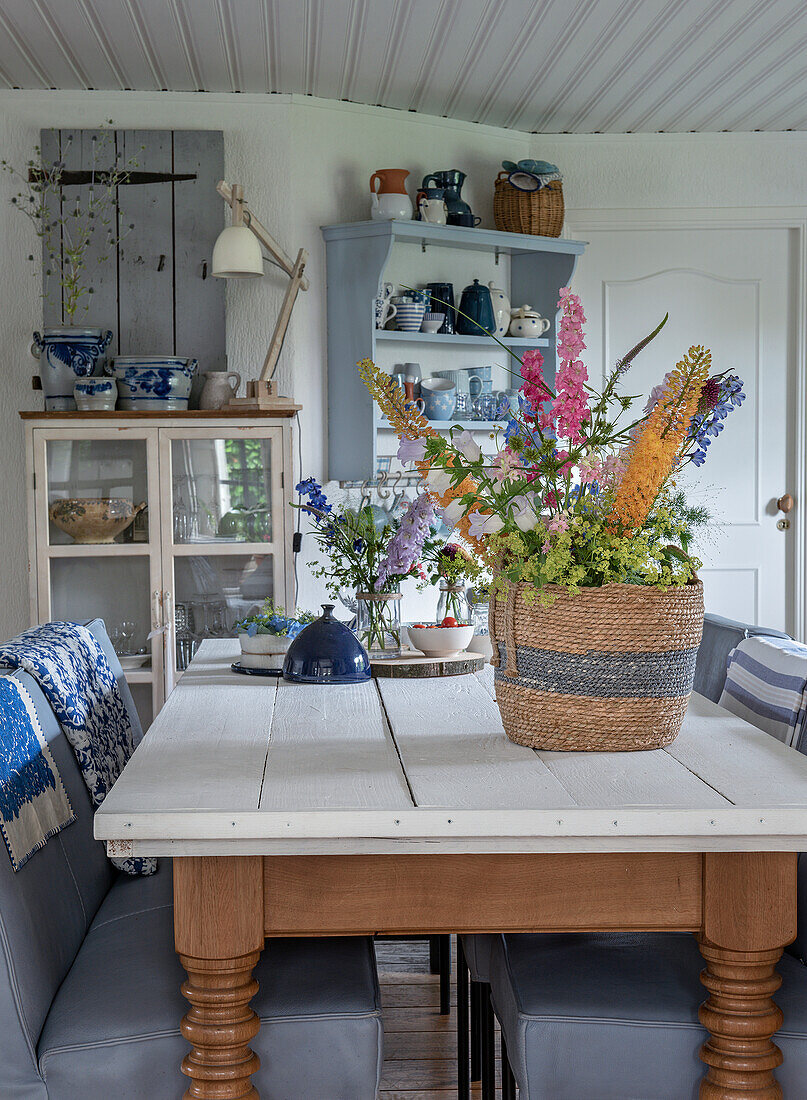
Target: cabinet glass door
column 97, row 531
column 224, row 542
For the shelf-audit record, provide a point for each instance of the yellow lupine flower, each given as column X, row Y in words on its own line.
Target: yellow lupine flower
column 653, row 455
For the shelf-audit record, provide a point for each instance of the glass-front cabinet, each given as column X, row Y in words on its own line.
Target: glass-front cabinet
column 167, row 530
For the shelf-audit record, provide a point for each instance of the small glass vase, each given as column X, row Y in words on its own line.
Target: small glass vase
column 379, row 624
column 453, row 602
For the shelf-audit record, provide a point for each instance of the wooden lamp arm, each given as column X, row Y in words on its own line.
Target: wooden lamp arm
column 233, row 196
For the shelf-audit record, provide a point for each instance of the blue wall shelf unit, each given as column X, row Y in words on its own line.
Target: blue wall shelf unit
column 360, row 256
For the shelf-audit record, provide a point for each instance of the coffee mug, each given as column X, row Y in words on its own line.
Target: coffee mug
column 418, row 404
column 384, row 311
column 439, row 398
column 469, row 221
column 410, row 316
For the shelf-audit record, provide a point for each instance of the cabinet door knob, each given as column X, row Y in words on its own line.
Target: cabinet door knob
column 785, row 503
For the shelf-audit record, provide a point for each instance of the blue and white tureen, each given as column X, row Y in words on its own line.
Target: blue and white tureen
column 160, row 383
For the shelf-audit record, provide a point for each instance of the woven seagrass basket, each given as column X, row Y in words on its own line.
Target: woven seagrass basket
column 536, row 212
column 608, row 670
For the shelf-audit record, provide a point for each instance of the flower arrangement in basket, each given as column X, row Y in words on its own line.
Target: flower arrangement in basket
column 596, row 610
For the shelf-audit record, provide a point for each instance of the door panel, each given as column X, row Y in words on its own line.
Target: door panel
column 731, row 291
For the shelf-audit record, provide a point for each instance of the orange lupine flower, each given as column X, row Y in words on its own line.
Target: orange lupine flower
column 652, row 456
column 408, row 422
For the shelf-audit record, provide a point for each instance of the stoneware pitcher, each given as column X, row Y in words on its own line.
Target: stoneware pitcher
column 219, row 387
column 388, row 195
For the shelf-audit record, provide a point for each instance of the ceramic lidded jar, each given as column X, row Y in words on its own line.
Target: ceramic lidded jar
column 326, row 652
column 528, row 322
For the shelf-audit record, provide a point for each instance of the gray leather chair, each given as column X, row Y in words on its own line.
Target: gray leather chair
column 89, row 982
column 630, row 1001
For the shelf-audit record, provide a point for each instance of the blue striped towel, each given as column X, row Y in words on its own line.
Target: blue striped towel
column 766, row 684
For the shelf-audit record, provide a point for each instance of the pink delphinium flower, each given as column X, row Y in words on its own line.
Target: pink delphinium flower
column 570, row 406
column 533, row 387
column 590, row 469
column 503, row 465
column 557, row 524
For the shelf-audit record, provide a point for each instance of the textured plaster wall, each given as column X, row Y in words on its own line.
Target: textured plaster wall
column 306, row 163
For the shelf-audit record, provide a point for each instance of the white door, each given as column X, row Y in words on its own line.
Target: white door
column 731, row 290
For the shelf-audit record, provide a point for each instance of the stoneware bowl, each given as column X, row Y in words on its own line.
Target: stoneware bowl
column 88, row 520
column 99, row 394
column 440, row 641
column 432, row 322
column 263, row 650
column 161, row 383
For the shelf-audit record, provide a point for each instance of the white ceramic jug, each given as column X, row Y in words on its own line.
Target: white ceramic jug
column 385, row 207
column 501, row 309
column 433, row 210
column 219, row 387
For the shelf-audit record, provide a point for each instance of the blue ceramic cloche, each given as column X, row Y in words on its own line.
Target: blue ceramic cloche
column 326, row 652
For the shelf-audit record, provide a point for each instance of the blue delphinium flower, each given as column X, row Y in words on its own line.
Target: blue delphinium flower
column 317, row 501
column 718, row 398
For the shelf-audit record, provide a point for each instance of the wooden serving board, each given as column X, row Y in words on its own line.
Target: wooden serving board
column 413, row 666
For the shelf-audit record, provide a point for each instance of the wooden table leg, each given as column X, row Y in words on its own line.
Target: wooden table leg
column 749, row 915
column 218, row 933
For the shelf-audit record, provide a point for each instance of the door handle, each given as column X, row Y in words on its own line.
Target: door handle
column 168, row 610
column 785, row 503
column 156, row 600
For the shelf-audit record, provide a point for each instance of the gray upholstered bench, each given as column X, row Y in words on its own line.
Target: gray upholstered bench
column 89, row 982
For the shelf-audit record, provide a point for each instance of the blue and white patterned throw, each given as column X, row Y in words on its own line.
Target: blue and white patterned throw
column 69, row 665
column 766, row 684
column 33, row 802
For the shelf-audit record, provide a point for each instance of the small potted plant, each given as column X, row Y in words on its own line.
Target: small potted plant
column 265, row 637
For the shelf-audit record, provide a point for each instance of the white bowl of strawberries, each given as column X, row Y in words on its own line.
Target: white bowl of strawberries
column 444, row 639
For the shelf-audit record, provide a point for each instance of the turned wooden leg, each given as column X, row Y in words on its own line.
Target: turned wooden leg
column 219, row 1027
column 218, row 932
column 749, row 915
column 741, row 1016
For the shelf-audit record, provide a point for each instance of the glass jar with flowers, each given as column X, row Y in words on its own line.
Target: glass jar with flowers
column 366, row 553
column 596, row 609
column 448, row 565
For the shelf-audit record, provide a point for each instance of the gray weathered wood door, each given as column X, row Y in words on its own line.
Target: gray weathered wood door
column 155, row 292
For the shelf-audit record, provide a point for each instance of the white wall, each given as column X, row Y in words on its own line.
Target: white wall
column 306, row 163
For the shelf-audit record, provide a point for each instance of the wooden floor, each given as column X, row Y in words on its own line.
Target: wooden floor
column 420, row 1045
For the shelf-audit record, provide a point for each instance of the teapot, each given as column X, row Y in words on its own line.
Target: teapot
column 501, row 309
column 477, row 306
column 528, row 322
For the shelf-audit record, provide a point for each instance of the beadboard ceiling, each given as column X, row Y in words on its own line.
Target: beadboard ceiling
column 554, row 66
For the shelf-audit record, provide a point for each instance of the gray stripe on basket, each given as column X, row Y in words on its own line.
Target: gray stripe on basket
column 604, row 675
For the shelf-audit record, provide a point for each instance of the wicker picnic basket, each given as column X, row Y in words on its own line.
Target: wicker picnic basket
column 536, row 212
column 608, row 670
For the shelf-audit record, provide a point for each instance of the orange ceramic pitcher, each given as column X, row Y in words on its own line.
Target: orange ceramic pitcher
column 391, row 181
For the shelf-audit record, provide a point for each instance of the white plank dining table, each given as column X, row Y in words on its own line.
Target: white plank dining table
column 400, row 807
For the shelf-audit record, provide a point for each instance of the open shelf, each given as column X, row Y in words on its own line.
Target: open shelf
column 443, row 425
column 454, row 236
column 468, row 341
column 98, row 549
column 138, row 675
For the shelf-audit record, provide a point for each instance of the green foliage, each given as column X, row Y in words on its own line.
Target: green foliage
column 68, row 224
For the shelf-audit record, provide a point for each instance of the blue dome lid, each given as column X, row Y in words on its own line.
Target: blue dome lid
column 326, row 652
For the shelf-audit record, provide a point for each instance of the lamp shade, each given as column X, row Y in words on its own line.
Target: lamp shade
column 237, row 254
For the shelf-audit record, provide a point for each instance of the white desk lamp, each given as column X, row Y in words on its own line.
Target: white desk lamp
column 237, row 254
